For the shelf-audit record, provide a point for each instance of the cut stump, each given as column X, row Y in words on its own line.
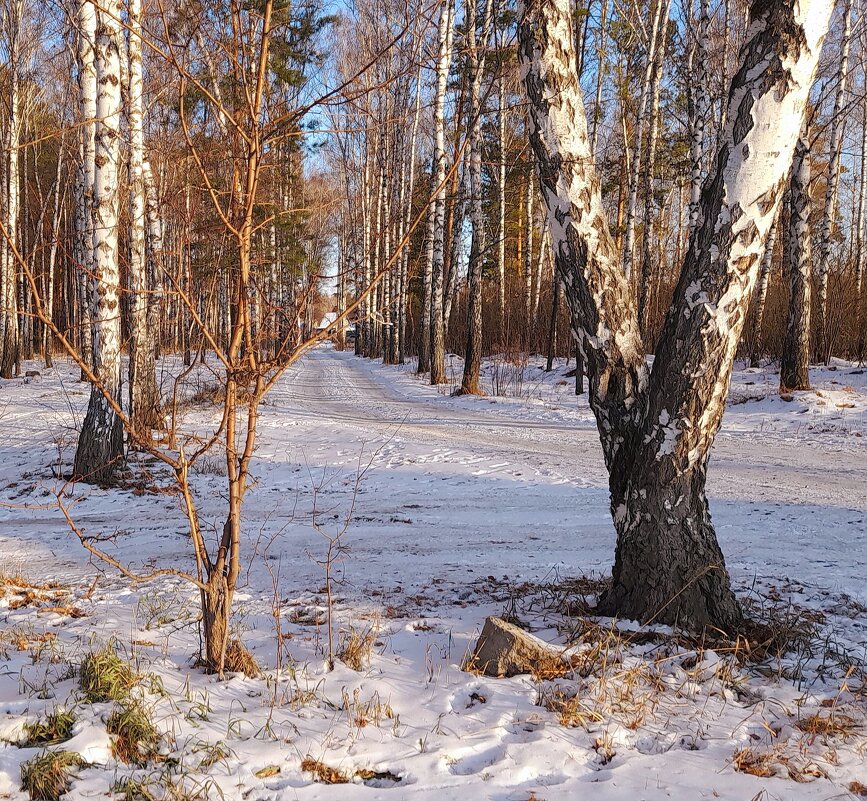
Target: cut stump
column 504, row 650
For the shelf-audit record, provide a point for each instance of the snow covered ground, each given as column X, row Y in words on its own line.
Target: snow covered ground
column 467, row 507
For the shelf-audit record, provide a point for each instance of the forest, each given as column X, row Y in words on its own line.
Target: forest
column 411, row 397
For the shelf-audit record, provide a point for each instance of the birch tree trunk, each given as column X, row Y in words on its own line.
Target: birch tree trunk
column 424, row 342
column 406, row 219
column 527, row 266
column 649, row 170
column 795, row 361
column 761, row 297
column 636, row 151
column 823, row 249
column 501, row 206
column 473, row 356
column 437, row 325
column 84, row 251
column 56, row 220
column 144, row 401
column 601, row 41
column 9, row 307
column 100, row 443
column 657, row 429
column 860, row 233
column 699, row 109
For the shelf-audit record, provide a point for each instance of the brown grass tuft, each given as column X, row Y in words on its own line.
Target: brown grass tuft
column 754, row 762
column 356, row 648
column 833, row 725
column 240, row 660
column 323, row 773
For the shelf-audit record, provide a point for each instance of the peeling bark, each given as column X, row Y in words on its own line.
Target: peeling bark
column 100, row 443
column 656, row 430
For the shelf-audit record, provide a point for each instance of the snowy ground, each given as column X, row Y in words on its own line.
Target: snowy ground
column 467, row 507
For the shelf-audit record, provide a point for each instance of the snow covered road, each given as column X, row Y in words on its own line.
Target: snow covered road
column 784, row 506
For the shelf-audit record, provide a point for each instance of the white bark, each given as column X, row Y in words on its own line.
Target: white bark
column 636, row 151
column 501, row 204
column 699, row 108
column 85, row 42
column 437, row 349
column 656, row 430
column 143, row 400
column 823, row 249
column 100, row 444
column 12, row 19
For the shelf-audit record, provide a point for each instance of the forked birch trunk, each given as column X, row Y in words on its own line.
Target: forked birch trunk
column 657, row 428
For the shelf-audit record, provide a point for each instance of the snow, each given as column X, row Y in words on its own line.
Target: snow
column 467, row 507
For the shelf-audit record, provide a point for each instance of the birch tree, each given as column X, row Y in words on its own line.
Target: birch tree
column 826, row 232
column 795, row 362
column 100, row 443
column 12, row 21
column 657, row 428
column 85, row 40
column 144, row 401
column 438, row 211
column 472, row 362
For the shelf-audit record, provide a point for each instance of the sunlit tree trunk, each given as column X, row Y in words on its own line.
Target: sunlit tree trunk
column 649, row 173
column 144, row 401
column 501, row 206
column 761, row 297
column 636, row 151
column 9, row 307
column 657, row 428
column 699, row 105
column 437, row 325
column 826, row 232
column 84, row 253
column 100, row 443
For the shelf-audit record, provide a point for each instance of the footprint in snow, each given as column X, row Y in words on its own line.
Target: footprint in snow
column 475, row 761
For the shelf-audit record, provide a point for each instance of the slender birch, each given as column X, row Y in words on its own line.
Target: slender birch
column 100, row 443
column 826, row 232
column 795, row 361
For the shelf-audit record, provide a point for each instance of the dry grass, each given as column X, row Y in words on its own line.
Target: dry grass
column 240, row 660
column 106, row 677
column 54, row 728
column 833, row 725
column 356, row 647
column 48, row 775
column 47, row 597
column 755, row 762
column 135, row 740
column 323, row 773
column 857, row 788
column 569, row 708
column 775, row 762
